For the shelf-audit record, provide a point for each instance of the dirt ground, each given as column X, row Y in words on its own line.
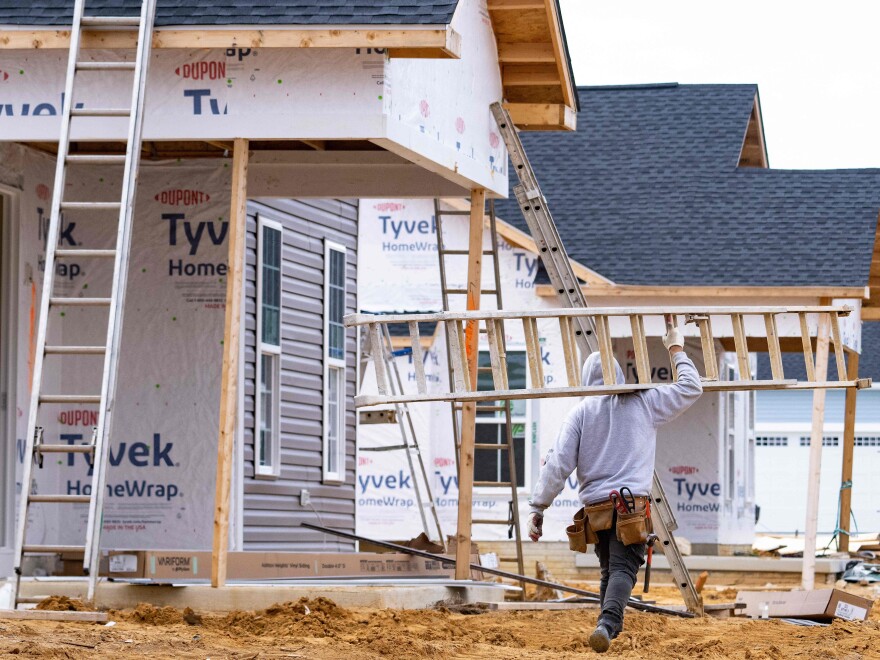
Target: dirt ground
column 319, row 629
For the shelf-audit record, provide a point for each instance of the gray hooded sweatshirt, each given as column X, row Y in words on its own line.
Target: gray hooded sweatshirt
column 611, row 439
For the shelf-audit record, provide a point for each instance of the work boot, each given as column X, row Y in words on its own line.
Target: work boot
column 600, row 640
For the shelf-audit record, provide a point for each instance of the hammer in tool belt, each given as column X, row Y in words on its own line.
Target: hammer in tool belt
column 651, row 539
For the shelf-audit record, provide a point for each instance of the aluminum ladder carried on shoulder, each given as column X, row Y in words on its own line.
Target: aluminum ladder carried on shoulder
column 97, row 450
column 409, row 440
column 555, row 259
column 492, row 408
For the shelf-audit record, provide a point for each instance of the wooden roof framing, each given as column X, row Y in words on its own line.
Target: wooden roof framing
column 754, row 148
column 535, row 70
column 871, row 307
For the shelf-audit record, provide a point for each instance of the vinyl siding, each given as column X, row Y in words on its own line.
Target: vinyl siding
column 272, row 512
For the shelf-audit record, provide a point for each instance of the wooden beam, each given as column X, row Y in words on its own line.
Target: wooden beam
column 519, row 5
column 808, row 570
column 562, row 66
column 542, row 116
column 871, row 313
column 439, row 42
column 469, row 409
column 651, row 291
column 515, row 75
column 230, row 372
column 54, row 615
column 849, row 438
column 526, row 53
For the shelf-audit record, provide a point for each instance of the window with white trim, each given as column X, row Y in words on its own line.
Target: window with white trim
column 267, row 415
column 827, row 441
column 334, row 362
column 867, row 441
column 771, row 441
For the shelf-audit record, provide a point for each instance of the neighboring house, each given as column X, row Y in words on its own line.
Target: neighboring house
column 663, row 197
column 782, row 427
column 374, row 98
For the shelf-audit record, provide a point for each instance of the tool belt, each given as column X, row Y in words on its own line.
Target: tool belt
column 631, row 528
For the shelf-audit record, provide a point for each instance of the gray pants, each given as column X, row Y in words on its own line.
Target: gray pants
column 620, row 568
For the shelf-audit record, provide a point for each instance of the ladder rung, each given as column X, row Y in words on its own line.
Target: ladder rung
column 75, row 350
column 52, row 549
column 76, row 254
column 65, row 449
column 90, row 159
column 79, row 302
column 490, row 521
column 111, row 21
column 492, row 484
column 90, row 206
column 100, row 112
column 105, row 66
column 60, row 499
column 512, row 560
column 388, row 448
column 70, row 398
column 462, row 292
column 488, row 445
column 454, row 213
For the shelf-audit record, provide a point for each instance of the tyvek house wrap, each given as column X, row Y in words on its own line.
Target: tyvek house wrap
column 160, row 482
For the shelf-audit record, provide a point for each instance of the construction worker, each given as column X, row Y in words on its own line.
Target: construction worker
column 611, row 441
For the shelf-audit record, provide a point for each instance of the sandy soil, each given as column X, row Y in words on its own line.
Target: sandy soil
column 321, row 630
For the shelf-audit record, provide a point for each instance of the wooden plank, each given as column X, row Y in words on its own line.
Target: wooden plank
column 710, row 360
column 515, row 75
column 606, row 352
column 499, row 332
column 469, row 409
column 808, row 570
column 806, row 341
column 838, row 347
column 744, row 292
column 846, row 471
column 569, row 351
column 773, row 347
column 562, row 61
column 536, row 606
column 538, row 116
column 503, row 5
column 526, row 53
column 417, row 357
column 453, row 331
column 377, row 350
column 229, row 379
column 495, row 355
column 741, row 344
column 640, row 348
column 533, row 351
column 53, row 615
column 441, row 43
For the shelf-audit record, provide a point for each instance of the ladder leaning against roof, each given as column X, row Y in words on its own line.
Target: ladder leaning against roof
column 108, row 348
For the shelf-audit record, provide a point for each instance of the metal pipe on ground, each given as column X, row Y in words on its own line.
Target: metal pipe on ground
column 633, row 603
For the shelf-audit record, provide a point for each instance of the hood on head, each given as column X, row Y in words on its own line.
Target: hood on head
column 591, row 374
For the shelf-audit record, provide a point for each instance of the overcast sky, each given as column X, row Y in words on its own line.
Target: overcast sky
column 817, row 64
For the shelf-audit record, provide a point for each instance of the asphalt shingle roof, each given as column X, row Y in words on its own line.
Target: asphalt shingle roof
column 237, row 12
column 869, row 360
column 648, row 191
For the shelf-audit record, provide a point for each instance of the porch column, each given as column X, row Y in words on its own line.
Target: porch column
column 231, row 345
column 849, row 438
column 469, row 410
column 808, row 571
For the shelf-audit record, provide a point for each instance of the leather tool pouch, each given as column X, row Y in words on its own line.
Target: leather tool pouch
column 600, row 516
column 579, row 533
column 633, row 527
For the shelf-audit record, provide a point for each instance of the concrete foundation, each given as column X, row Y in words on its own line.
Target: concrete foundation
column 414, row 594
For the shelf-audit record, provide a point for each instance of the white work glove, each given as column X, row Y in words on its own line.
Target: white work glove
column 673, row 338
column 536, row 523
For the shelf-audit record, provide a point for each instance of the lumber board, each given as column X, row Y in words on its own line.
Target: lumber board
column 554, row 22
column 53, row 615
column 535, row 116
column 527, row 606
column 441, row 43
column 846, row 470
column 230, row 370
column 647, row 291
column 526, row 53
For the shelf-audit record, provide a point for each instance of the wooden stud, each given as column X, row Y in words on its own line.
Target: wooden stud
column 640, row 348
column 469, row 409
column 838, row 346
column 846, row 472
column 533, row 351
column 710, row 360
column 456, row 356
column 808, row 570
column 742, row 347
column 230, row 369
column 495, row 355
column 569, row 351
column 417, row 357
column 773, row 347
column 808, row 348
column 377, row 348
column 499, row 332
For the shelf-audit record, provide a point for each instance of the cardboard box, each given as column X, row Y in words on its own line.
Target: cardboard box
column 270, row 565
column 160, row 564
column 818, row 604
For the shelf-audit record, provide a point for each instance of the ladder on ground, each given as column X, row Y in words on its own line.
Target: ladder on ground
column 37, row 446
column 491, row 407
column 409, row 440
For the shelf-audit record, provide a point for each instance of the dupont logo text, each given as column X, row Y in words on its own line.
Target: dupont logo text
column 182, row 197
column 202, row 70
